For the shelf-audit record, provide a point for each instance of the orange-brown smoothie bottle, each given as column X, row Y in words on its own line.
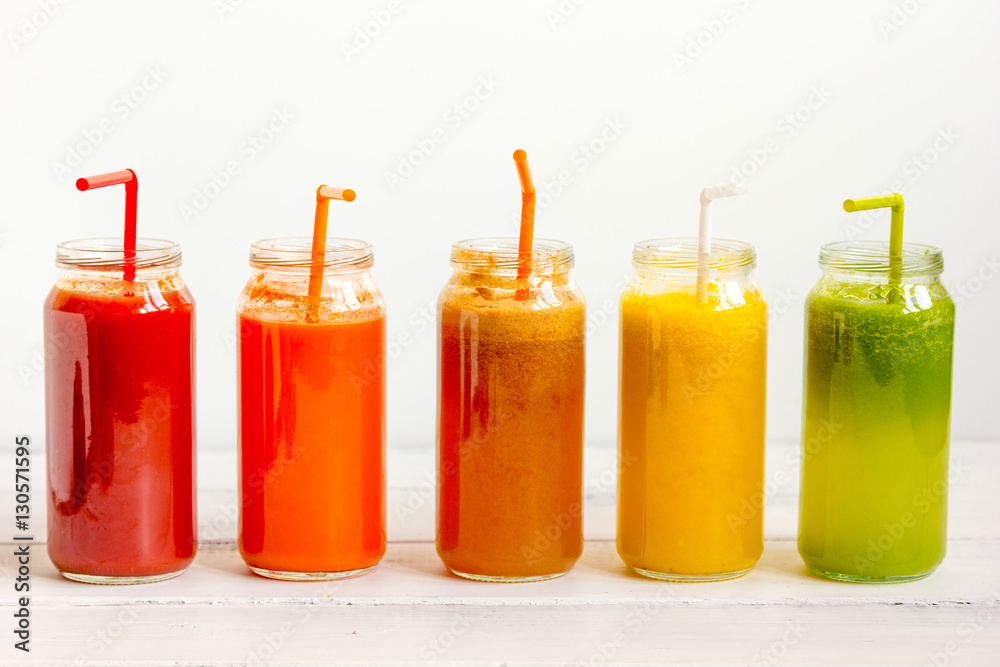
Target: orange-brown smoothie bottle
column 312, row 413
column 510, row 421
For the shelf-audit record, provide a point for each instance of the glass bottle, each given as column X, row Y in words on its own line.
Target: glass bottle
column 510, row 421
column 692, row 412
column 877, row 400
column 312, row 413
column 120, row 414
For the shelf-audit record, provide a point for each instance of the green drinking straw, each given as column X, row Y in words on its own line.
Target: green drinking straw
column 895, row 203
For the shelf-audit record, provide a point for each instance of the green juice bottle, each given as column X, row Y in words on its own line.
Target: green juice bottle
column 878, row 362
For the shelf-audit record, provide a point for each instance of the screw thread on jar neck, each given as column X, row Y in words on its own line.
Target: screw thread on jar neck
column 107, row 254
column 872, row 258
column 294, row 253
column 679, row 255
column 500, row 255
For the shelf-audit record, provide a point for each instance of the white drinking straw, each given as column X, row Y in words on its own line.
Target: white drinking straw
column 708, row 195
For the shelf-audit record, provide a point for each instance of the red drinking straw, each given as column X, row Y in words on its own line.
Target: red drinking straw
column 131, row 182
column 527, row 221
column 324, row 194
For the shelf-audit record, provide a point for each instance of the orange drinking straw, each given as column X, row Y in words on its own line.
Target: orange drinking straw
column 131, row 182
column 324, row 194
column 527, row 220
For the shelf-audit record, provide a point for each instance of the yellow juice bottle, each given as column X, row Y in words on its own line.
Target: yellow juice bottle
column 691, row 412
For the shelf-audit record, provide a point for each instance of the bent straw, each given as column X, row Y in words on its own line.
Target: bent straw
column 131, row 182
column 324, row 194
column 894, row 202
column 526, row 237
column 708, row 195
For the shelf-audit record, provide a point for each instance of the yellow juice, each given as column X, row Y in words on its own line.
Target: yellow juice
column 691, row 429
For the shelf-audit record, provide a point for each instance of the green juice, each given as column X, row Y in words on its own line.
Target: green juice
column 875, row 441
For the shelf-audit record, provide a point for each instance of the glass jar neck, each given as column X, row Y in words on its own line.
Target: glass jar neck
column 98, row 267
column 678, row 258
column 869, row 261
column 293, row 256
column 103, row 256
column 499, row 257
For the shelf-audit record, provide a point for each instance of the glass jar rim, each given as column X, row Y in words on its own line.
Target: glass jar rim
column 680, row 253
column 873, row 257
column 501, row 253
column 296, row 252
column 103, row 253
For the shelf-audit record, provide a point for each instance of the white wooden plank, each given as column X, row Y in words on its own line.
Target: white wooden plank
column 217, row 611
column 575, row 632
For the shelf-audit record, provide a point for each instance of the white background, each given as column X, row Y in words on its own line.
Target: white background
column 896, row 81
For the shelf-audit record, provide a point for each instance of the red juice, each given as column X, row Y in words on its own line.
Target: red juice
column 120, row 428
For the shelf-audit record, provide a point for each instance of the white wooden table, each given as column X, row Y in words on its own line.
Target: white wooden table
column 410, row 610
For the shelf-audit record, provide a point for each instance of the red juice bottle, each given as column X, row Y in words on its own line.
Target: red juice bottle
column 119, row 390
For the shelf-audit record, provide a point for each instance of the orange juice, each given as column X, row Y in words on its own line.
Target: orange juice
column 311, row 445
column 312, row 414
column 691, row 415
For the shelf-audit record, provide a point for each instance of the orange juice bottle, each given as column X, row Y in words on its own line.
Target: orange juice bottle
column 510, row 422
column 691, row 412
column 312, row 413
